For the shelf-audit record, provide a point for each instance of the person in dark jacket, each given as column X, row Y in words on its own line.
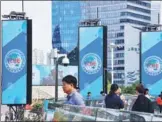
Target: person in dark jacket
column 112, row 100
column 142, row 103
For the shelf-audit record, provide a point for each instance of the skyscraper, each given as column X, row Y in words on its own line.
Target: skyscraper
column 65, row 20
column 38, row 56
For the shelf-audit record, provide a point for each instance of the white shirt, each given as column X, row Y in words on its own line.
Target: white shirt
column 148, row 96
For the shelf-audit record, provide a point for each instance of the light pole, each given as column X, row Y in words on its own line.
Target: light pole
column 105, row 79
column 112, row 46
column 56, row 58
column 122, row 78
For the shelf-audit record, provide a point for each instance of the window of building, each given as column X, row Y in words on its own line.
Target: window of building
column 119, row 68
column 119, row 48
column 133, row 22
column 119, row 55
column 120, row 61
column 135, row 15
column 118, row 75
column 139, row 9
column 119, row 41
column 142, row 3
column 120, row 34
column 122, row 27
column 119, row 81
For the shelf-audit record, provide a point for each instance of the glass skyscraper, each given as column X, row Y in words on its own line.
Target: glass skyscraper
column 65, row 20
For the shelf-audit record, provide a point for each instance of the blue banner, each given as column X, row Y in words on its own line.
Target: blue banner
column 151, row 61
column 91, row 60
column 14, row 62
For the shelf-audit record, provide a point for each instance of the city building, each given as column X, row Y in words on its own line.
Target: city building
column 66, row 16
column 155, row 12
column 49, row 60
column 38, row 57
column 132, row 55
column 116, row 15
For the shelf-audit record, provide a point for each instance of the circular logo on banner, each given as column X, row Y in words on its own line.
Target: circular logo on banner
column 153, row 65
column 91, row 63
column 15, row 61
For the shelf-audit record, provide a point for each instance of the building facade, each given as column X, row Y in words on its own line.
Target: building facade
column 132, row 54
column 115, row 15
column 155, row 12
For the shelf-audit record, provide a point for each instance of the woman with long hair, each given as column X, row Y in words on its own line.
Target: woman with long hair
column 113, row 100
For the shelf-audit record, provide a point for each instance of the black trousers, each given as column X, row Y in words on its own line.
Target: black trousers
column 160, row 107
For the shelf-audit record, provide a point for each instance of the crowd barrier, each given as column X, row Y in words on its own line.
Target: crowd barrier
column 63, row 112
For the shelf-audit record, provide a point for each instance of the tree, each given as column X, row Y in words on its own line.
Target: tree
column 109, row 77
column 130, row 89
column 108, row 81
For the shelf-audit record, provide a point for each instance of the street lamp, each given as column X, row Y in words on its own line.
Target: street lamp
column 122, row 78
column 56, row 58
column 112, row 46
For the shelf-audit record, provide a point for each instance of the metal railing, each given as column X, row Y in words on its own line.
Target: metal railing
column 81, row 113
column 63, row 112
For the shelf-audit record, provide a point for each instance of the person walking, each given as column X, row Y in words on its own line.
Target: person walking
column 69, row 87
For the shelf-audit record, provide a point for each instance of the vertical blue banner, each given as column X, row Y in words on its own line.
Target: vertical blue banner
column 91, row 60
column 14, row 62
column 151, row 61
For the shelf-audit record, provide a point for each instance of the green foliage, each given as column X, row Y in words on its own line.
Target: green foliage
column 108, row 86
column 37, row 107
column 109, row 76
column 108, row 81
column 130, row 89
column 125, row 89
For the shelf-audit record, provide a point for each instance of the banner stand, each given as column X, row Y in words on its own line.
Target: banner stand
column 92, row 61
column 151, row 58
column 16, row 110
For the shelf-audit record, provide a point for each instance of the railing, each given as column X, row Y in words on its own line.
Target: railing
column 79, row 113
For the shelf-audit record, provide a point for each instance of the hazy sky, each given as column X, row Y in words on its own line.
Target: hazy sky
column 40, row 13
